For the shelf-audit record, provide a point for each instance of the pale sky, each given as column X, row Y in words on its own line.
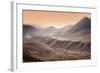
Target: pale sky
column 43, row 19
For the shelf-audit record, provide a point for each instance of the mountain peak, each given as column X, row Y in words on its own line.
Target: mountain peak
column 85, row 19
column 83, row 24
column 51, row 28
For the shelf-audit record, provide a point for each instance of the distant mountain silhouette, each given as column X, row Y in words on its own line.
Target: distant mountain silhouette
column 28, row 29
column 83, row 25
column 51, row 28
column 48, row 31
column 80, row 31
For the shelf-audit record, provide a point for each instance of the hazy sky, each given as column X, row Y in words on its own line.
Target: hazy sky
column 44, row 19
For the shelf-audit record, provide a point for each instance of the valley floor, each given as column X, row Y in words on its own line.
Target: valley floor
column 55, row 50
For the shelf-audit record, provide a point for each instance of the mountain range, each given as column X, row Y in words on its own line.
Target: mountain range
column 81, row 29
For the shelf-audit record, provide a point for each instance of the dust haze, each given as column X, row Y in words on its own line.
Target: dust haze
column 50, row 43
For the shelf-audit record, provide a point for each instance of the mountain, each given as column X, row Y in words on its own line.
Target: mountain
column 51, row 28
column 81, row 31
column 84, row 25
column 29, row 29
column 49, row 31
column 66, row 27
column 63, row 30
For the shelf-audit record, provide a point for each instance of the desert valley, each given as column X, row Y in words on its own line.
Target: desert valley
column 72, row 42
